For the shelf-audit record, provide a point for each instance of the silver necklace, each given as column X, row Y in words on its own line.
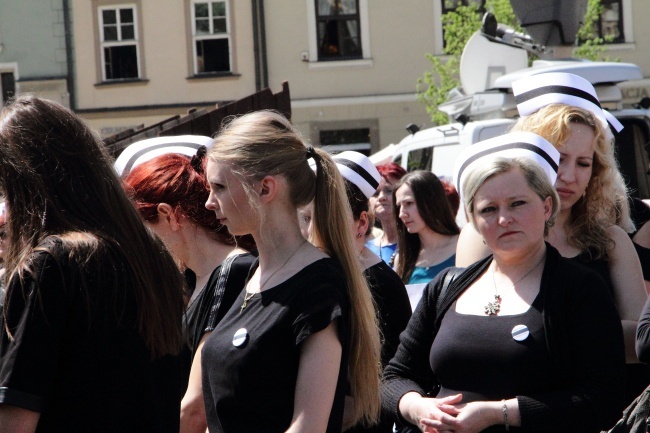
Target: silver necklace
column 249, row 295
column 493, row 308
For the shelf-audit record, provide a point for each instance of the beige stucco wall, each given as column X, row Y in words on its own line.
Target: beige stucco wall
column 165, row 55
column 382, row 87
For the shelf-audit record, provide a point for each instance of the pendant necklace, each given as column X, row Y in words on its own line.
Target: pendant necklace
column 493, row 308
column 249, row 295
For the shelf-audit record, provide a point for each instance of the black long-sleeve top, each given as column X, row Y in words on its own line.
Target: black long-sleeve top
column 583, row 335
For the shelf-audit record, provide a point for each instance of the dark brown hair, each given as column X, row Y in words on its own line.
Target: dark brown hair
column 435, row 210
column 58, row 181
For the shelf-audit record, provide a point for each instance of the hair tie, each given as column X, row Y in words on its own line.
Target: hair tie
column 311, row 152
column 197, row 160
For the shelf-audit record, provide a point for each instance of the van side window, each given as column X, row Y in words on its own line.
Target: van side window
column 420, row 159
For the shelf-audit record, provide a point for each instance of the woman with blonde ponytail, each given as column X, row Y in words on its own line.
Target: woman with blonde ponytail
column 303, row 331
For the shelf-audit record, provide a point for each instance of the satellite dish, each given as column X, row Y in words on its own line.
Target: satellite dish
column 482, row 62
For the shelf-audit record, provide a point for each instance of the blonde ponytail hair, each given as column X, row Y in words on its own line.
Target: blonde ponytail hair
column 265, row 143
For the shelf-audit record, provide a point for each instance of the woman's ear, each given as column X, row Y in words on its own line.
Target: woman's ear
column 167, row 215
column 268, row 188
column 361, row 225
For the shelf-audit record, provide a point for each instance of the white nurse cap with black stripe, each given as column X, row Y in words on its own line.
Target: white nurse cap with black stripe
column 537, row 91
column 144, row 150
column 356, row 168
column 513, row 145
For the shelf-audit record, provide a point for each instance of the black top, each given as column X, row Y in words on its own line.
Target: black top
column 600, row 266
column 465, row 338
column 76, row 356
column 393, row 314
column 198, row 311
column 583, row 336
column 250, row 387
column 392, row 304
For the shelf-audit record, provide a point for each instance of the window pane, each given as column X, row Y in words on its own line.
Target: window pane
column 326, row 7
column 345, row 136
column 219, row 25
column 339, row 38
column 110, row 33
column 126, row 16
column 7, row 85
column 350, row 39
column 610, row 21
column 128, row 32
column 121, row 62
column 109, row 17
column 218, row 9
column 202, row 27
column 349, row 6
column 201, row 10
column 213, row 55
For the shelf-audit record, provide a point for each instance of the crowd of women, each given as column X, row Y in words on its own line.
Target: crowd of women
column 249, row 282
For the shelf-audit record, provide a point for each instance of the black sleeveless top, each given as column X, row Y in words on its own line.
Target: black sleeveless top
column 478, row 355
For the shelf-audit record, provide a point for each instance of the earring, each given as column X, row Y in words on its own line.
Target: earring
column 359, row 235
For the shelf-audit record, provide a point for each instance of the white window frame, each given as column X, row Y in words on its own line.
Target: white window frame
column 364, row 31
column 211, row 35
column 119, row 42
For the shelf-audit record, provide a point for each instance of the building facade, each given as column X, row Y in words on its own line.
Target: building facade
column 352, row 65
column 33, row 49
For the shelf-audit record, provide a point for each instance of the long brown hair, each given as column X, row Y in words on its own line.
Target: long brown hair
column 265, row 142
column 435, row 210
column 58, row 181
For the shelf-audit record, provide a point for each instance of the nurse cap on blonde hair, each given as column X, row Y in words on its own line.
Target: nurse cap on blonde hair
column 145, row 150
column 537, row 91
column 515, row 144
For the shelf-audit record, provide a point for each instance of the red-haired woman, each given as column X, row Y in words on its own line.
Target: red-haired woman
column 381, row 204
column 170, row 192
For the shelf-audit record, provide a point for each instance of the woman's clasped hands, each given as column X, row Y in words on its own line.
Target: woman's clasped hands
column 448, row 414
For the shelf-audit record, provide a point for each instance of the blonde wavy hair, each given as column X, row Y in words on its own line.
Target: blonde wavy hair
column 265, row 143
column 605, row 201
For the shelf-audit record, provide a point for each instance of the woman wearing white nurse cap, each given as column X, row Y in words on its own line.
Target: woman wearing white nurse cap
column 357, row 169
column 144, row 150
column 538, row 91
column 514, row 144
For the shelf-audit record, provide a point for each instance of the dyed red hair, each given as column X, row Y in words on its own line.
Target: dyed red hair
column 390, row 169
column 452, row 195
column 179, row 181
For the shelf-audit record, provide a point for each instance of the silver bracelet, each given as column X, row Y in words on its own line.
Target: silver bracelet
column 504, row 409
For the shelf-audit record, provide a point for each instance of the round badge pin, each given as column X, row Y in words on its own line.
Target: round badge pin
column 520, row 332
column 240, row 338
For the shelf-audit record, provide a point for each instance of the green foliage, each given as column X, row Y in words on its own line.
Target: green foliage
column 460, row 24
column 591, row 46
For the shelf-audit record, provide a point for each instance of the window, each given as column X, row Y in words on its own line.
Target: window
column 119, row 43
column 338, row 140
column 211, row 36
column 338, row 25
column 7, row 86
column 451, row 5
column 610, row 24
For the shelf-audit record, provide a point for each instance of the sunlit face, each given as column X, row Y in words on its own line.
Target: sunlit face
column 228, row 199
column 509, row 214
column 576, row 165
column 408, row 210
column 383, row 199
